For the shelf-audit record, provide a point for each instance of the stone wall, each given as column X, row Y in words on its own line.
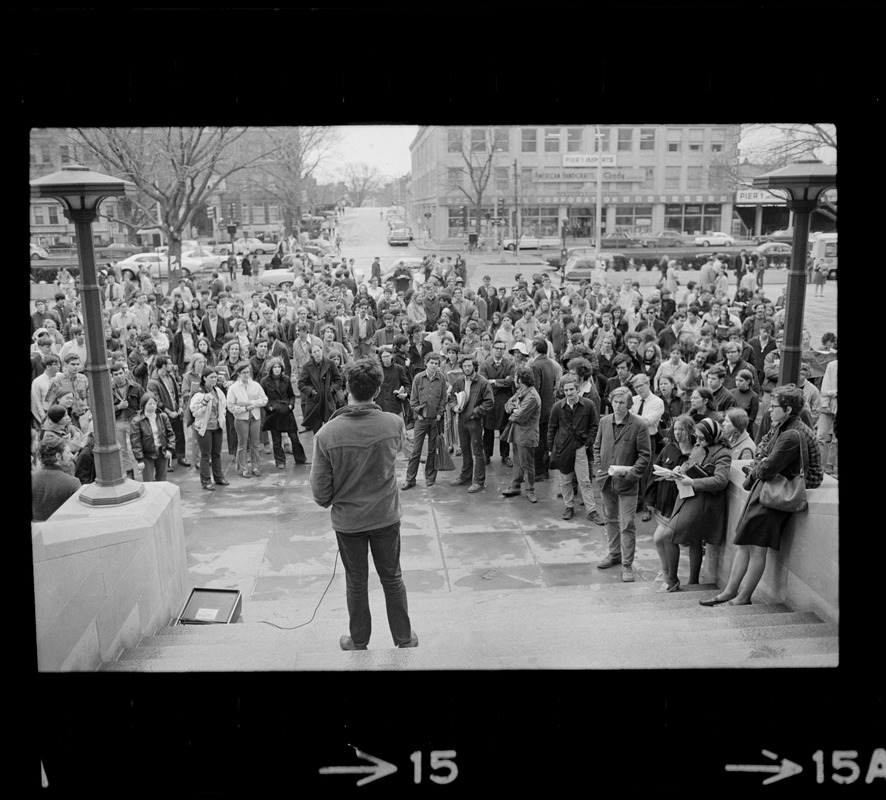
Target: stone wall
column 105, row 577
column 804, row 573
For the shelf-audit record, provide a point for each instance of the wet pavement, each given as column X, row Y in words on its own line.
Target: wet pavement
column 268, row 538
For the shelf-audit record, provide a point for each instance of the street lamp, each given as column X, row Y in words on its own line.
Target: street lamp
column 804, row 182
column 80, row 192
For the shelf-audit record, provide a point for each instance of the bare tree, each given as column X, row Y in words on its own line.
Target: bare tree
column 361, row 180
column 477, row 167
column 173, row 169
column 776, row 145
column 298, row 153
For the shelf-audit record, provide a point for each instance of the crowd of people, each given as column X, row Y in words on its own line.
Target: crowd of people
column 545, row 369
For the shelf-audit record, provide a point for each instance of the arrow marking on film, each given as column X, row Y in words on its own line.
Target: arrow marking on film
column 380, row 769
column 786, row 769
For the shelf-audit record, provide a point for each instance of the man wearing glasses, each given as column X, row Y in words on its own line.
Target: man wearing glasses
column 499, row 370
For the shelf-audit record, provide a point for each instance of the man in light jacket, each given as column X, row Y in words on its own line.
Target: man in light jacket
column 353, row 470
column 245, row 400
column 621, row 453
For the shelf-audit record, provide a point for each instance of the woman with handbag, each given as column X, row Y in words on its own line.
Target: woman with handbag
column 700, row 517
column 207, row 406
column 776, row 484
column 279, row 418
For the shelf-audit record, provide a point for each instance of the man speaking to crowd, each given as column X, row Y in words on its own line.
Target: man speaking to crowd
column 353, row 471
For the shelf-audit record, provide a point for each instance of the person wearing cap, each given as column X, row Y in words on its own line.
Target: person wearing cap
column 700, row 517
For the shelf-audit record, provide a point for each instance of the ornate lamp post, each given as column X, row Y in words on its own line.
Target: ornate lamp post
column 804, row 183
column 81, row 191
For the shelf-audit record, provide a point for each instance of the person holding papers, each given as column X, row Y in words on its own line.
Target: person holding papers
column 700, row 511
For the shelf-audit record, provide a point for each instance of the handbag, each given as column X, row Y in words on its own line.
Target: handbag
column 443, row 460
column 785, row 494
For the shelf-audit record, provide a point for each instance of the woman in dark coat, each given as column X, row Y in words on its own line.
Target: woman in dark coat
column 784, row 452
column 279, row 416
column 318, row 381
column 661, row 495
column 701, row 517
column 149, row 450
column 179, row 353
column 701, row 405
column 395, row 385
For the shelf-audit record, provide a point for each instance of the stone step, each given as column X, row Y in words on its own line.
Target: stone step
column 481, row 654
column 689, row 620
column 556, row 634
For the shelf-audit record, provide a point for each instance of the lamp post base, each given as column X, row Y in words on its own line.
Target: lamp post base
column 94, row 495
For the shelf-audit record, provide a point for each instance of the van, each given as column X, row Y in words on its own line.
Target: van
column 825, row 248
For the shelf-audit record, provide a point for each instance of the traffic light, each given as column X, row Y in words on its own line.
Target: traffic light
column 210, row 212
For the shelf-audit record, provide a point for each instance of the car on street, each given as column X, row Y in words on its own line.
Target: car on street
column 774, row 250
column 619, row 239
column 663, row 239
column 553, row 260
column 581, row 268
column 786, row 236
column 118, row 250
column 717, row 238
column 414, row 265
column 316, row 261
column 156, row 263
column 396, row 222
column 38, row 252
column 254, row 246
column 398, row 236
column 533, row 243
column 281, row 278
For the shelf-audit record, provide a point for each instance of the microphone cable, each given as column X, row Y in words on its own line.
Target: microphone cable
column 293, row 627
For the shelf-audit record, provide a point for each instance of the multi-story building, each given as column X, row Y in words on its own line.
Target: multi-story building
column 654, row 177
column 49, row 150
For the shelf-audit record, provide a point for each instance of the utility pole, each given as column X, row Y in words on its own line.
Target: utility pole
column 599, row 209
column 516, row 217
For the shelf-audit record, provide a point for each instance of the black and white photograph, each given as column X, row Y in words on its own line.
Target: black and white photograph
column 547, row 392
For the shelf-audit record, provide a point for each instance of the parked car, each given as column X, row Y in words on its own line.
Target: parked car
column 254, row 246
column 396, row 222
column 663, row 239
column 415, row 265
column 38, row 252
column 155, row 262
column 774, row 250
column 619, row 239
column 582, row 268
column 398, row 236
column 715, row 238
column 533, row 243
column 553, row 260
column 281, row 278
column 118, row 250
column 786, row 235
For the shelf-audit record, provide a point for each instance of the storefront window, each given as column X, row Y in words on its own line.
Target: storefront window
column 633, row 218
column 530, row 140
column 693, row 219
column 581, row 221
